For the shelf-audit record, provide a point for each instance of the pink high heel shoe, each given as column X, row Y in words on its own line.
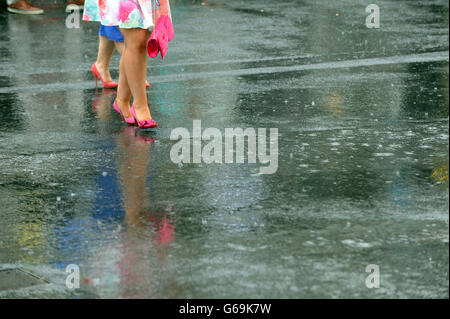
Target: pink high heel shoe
column 143, row 124
column 129, row 120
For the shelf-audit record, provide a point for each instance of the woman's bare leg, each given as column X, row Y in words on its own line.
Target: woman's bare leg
column 120, row 46
column 134, row 65
column 123, row 90
column 105, row 52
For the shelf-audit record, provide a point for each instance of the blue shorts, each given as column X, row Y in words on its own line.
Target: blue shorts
column 112, row 32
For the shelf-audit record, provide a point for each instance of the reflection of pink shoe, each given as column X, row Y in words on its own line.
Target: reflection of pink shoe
column 160, row 37
column 98, row 100
column 165, row 233
column 146, row 123
column 129, row 120
column 131, row 132
column 147, row 139
column 147, row 85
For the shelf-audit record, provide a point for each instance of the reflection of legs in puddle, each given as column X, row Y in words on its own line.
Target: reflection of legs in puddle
column 101, row 104
column 135, row 272
column 143, row 259
column 134, row 158
column 135, row 153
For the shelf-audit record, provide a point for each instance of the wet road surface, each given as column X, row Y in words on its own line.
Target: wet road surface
column 362, row 178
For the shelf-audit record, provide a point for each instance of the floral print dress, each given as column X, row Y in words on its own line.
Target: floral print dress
column 125, row 14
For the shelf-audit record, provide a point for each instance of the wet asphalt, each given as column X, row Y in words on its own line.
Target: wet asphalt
column 362, row 174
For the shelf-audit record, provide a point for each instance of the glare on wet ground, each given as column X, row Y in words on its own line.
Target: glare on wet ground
column 362, row 178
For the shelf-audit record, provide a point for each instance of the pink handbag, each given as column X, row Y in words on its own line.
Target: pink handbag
column 163, row 31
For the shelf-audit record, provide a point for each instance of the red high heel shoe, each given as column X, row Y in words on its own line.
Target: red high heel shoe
column 106, row 85
column 143, row 124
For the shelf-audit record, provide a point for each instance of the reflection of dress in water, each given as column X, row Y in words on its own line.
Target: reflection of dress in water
column 109, row 216
column 74, row 239
column 108, row 204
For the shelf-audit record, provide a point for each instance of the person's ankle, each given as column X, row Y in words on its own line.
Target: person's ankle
column 143, row 111
column 104, row 71
column 101, row 66
column 123, row 102
column 140, row 106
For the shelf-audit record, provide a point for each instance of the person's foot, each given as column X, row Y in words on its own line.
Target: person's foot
column 124, row 108
column 104, row 72
column 24, row 7
column 142, row 112
column 79, row 3
column 147, row 121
